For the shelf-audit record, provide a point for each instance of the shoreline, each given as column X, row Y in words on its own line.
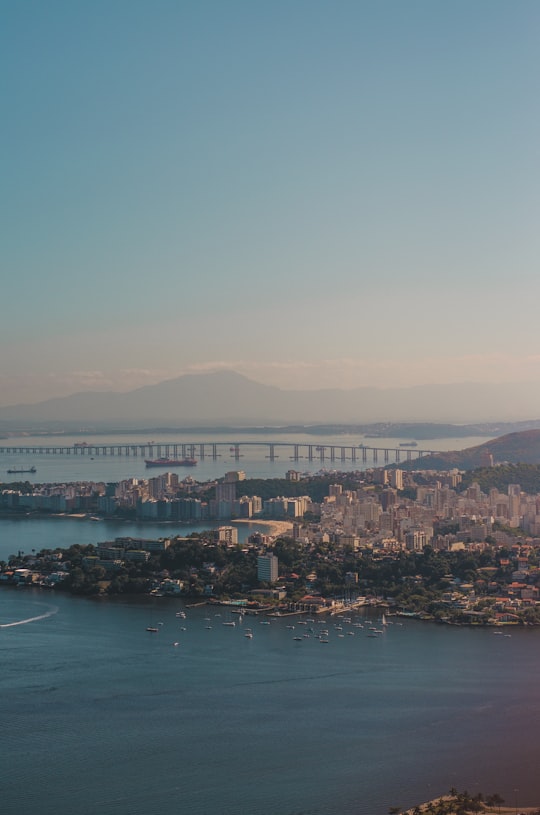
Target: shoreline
column 279, row 527
column 486, row 810
column 274, row 527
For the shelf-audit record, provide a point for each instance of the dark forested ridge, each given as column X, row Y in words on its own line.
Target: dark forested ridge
column 526, row 475
column 514, row 448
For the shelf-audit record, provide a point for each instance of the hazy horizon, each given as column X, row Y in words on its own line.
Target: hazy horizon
column 314, row 195
column 229, row 398
column 36, row 391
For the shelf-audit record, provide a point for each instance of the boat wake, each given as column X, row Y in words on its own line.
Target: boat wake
column 53, row 610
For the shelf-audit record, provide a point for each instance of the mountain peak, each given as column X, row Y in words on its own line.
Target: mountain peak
column 226, row 396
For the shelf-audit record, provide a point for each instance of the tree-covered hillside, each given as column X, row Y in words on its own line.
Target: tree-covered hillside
column 526, row 475
column 514, row 448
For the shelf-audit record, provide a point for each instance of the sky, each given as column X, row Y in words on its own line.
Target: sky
column 313, row 193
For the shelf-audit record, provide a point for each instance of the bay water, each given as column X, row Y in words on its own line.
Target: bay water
column 253, row 460
column 28, row 534
column 101, row 715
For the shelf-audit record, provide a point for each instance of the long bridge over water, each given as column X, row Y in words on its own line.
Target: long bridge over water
column 295, row 451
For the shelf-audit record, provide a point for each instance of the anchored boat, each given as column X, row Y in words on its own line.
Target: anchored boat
column 171, row 462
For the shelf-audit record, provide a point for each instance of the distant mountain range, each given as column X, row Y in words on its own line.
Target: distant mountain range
column 228, row 397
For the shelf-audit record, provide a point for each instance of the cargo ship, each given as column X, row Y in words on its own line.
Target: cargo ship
column 171, row 462
column 15, row 470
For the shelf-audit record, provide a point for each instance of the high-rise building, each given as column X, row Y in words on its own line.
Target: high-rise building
column 226, row 491
column 388, row 498
column 227, row 534
column 267, row 568
column 514, row 501
column 415, row 540
column 235, row 475
column 292, row 475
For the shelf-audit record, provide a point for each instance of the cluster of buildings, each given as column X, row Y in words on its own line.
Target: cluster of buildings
column 383, row 518
column 377, row 512
column 74, row 497
column 381, row 515
column 163, row 498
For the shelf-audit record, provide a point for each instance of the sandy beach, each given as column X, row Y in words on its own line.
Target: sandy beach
column 275, row 528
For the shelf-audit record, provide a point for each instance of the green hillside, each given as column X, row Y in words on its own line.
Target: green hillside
column 514, row 448
column 526, row 475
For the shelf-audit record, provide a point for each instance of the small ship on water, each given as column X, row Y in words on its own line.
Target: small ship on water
column 171, row 462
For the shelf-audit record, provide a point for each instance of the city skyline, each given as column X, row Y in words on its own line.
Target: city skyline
column 312, row 195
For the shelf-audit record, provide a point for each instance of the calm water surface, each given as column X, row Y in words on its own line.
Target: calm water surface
column 32, row 534
column 61, row 468
column 101, row 716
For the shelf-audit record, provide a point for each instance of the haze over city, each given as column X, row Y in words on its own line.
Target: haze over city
column 311, row 194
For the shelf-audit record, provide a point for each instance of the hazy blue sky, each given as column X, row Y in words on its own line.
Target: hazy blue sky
column 312, row 193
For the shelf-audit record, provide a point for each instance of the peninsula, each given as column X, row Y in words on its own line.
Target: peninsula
column 465, row 803
column 438, row 546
